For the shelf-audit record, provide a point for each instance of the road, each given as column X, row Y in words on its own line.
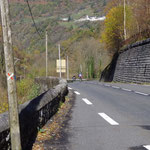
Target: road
column 109, row 117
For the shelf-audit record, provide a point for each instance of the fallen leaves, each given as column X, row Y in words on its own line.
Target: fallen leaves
column 52, row 128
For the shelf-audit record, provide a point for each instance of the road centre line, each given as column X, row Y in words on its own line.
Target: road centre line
column 126, row 89
column 141, row 93
column 107, row 85
column 108, row 119
column 86, row 101
column 69, row 88
column 147, row 146
column 76, row 92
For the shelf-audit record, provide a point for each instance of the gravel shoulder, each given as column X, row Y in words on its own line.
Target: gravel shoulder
column 54, row 135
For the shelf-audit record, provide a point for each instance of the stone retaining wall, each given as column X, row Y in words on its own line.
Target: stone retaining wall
column 133, row 64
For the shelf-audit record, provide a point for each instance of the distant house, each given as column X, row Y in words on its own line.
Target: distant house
column 65, row 19
column 87, row 18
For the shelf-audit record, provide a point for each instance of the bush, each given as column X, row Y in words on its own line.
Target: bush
column 24, row 86
column 27, row 90
column 34, row 92
column 3, row 100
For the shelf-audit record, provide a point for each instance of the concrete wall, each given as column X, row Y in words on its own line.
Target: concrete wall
column 34, row 114
column 133, row 63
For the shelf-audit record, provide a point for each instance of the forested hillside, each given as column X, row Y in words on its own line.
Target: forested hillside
column 88, row 44
column 125, row 25
column 79, row 40
column 48, row 16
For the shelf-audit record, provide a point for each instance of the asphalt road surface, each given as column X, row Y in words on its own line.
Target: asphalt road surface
column 110, row 117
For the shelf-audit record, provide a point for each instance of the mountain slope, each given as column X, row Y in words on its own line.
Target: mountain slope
column 49, row 15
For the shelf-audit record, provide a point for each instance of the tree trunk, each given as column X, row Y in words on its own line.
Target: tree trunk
column 11, row 84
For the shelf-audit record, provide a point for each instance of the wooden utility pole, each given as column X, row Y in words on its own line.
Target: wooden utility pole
column 11, row 84
column 67, row 68
column 87, row 73
column 46, row 53
column 59, row 61
column 80, row 68
column 125, row 32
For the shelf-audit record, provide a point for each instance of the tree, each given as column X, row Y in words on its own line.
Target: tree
column 141, row 9
column 113, row 34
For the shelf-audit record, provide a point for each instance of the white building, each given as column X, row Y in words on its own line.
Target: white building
column 87, row 18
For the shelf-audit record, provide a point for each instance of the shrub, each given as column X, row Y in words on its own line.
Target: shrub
column 27, row 90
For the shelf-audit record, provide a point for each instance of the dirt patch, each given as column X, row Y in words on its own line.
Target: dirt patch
column 53, row 136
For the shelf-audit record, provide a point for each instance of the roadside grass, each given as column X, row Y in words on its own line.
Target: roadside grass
column 3, row 100
column 26, row 90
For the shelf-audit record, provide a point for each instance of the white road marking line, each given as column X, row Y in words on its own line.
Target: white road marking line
column 116, row 87
column 126, row 89
column 86, row 101
column 141, row 93
column 77, row 92
column 108, row 119
column 107, row 85
column 69, row 88
column 146, row 85
column 147, row 146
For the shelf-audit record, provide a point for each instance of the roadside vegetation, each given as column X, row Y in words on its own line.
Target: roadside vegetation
column 89, row 45
column 137, row 23
column 26, row 90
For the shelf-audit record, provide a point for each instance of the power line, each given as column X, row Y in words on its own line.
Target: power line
column 33, row 19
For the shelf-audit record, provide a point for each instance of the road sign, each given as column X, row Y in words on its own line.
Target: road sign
column 63, row 66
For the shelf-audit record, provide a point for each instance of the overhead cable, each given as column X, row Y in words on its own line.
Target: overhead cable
column 33, row 20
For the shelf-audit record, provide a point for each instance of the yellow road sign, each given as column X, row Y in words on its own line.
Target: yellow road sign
column 63, row 66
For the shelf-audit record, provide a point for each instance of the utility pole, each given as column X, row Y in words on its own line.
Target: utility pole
column 125, row 32
column 87, row 73
column 59, row 61
column 11, row 84
column 24, row 72
column 67, row 68
column 46, row 52
column 80, row 68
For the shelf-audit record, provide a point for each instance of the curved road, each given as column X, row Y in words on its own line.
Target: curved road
column 110, row 117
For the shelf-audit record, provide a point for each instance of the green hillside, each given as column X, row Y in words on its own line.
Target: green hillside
column 48, row 15
column 80, row 41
